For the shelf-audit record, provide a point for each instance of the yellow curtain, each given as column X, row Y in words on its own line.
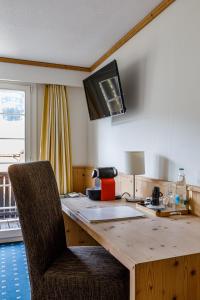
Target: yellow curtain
column 55, row 144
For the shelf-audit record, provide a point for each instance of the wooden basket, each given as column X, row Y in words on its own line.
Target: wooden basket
column 163, row 213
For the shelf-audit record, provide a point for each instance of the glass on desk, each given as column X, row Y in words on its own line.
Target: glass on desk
column 169, row 198
column 165, row 200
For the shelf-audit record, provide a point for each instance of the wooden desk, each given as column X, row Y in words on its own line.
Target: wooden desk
column 162, row 254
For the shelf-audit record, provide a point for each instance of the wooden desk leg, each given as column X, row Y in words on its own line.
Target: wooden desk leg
column 75, row 235
column 132, row 284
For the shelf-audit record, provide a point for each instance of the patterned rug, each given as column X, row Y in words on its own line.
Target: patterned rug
column 14, row 279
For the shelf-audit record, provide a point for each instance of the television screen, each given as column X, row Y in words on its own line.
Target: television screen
column 104, row 93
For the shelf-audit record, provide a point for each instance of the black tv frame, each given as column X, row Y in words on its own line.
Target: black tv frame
column 120, row 87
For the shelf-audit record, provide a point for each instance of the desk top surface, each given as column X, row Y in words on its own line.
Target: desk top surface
column 139, row 240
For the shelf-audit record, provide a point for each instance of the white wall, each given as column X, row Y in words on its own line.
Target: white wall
column 160, row 73
column 41, row 75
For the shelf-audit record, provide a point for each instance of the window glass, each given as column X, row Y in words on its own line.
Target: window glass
column 12, row 127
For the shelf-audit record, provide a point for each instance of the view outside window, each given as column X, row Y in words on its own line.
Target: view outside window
column 12, row 128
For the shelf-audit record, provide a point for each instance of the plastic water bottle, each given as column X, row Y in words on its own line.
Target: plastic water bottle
column 181, row 189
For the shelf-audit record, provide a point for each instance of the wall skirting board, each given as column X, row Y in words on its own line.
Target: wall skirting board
column 124, row 183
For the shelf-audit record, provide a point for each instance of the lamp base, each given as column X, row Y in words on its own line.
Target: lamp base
column 135, row 200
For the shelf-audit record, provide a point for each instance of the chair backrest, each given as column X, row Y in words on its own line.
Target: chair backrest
column 38, row 202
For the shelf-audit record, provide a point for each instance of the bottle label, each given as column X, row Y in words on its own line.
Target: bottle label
column 181, row 191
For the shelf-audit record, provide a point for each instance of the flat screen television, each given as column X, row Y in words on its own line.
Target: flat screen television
column 104, row 93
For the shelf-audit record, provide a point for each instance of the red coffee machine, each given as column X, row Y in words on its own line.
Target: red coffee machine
column 104, row 184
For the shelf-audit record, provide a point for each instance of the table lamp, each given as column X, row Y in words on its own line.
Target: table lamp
column 134, row 165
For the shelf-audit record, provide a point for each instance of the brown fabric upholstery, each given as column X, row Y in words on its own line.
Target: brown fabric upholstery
column 57, row 273
column 83, row 273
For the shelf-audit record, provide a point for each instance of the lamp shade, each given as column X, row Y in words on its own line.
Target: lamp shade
column 134, row 162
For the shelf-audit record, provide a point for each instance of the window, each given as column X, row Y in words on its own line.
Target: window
column 18, row 137
column 12, row 127
column 18, row 124
column 15, row 138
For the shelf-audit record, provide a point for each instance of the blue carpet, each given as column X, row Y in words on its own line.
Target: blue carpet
column 14, row 279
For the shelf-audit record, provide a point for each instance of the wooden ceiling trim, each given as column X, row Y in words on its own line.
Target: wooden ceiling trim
column 43, row 64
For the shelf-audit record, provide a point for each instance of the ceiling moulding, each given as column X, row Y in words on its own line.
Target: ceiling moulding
column 43, row 64
column 131, row 33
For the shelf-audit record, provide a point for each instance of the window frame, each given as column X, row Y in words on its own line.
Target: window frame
column 26, row 88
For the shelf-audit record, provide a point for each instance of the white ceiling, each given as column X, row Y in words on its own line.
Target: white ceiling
column 75, row 32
